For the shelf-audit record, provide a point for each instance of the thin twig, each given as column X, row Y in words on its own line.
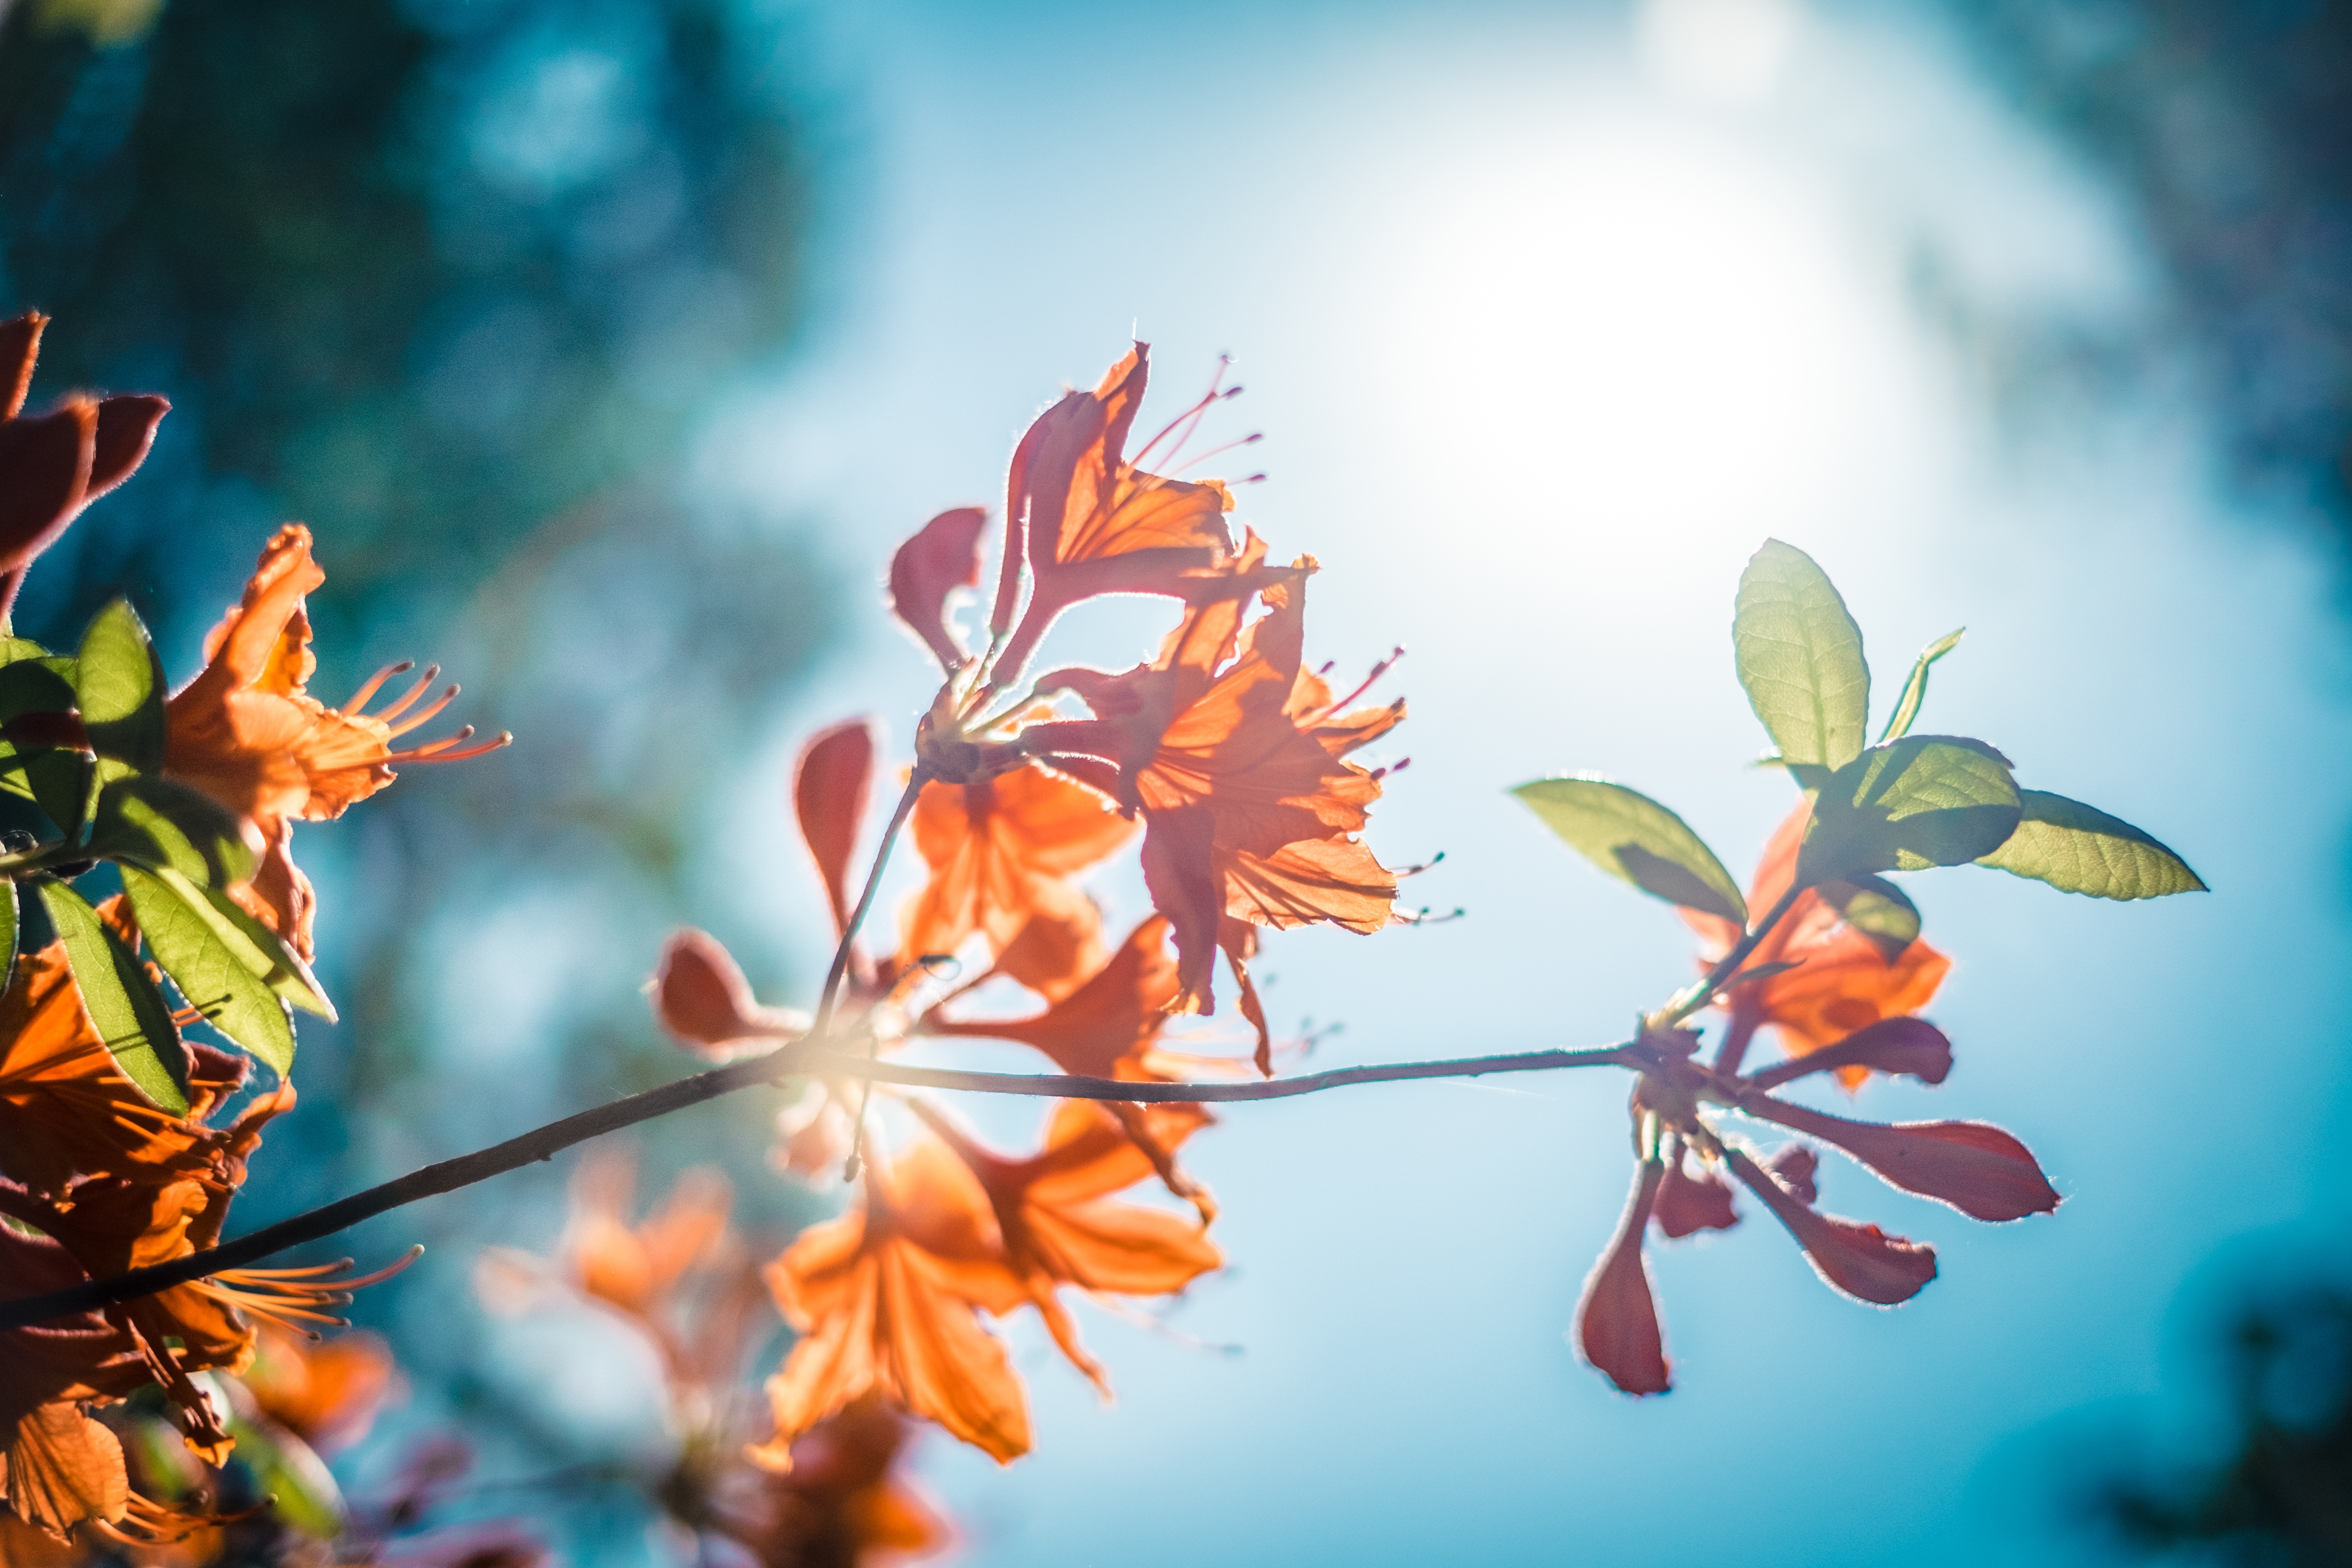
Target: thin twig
column 792, row 1060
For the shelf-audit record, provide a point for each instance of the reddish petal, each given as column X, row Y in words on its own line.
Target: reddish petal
column 20, row 345
column 703, row 1001
column 830, row 786
column 1910, row 1047
column 1797, row 1166
column 1180, row 872
column 126, row 428
column 1688, row 1204
column 1977, row 1168
column 1860, row 1260
column 44, row 478
column 1617, row 1322
column 943, row 556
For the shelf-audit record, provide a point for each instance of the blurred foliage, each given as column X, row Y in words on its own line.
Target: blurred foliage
column 2226, row 124
column 2282, row 1493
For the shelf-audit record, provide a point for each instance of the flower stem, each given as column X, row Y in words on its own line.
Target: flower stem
column 1697, row 996
column 790, row 1061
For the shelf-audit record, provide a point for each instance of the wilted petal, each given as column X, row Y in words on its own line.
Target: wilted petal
column 1862, row 1260
column 1910, row 1047
column 942, row 557
column 1617, row 1322
column 1687, row 1204
column 830, row 786
column 63, row 1468
column 1977, row 1168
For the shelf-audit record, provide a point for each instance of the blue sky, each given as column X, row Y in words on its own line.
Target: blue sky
column 1549, row 318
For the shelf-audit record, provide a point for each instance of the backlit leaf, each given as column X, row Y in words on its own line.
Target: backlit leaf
column 1914, row 689
column 219, row 971
column 288, row 975
column 156, row 822
column 1877, row 908
column 120, row 686
column 300, row 1488
column 2078, row 848
column 1630, row 836
column 1922, row 801
column 1800, row 658
column 124, row 1005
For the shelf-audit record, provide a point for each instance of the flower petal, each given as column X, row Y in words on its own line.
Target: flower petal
column 1687, row 1204
column 44, row 478
column 829, row 785
column 1910, row 1047
column 701, row 998
column 20, row 345
column 942, row 557
column 1974, row 1166
column 1617, row 1320
column 1860, row 1260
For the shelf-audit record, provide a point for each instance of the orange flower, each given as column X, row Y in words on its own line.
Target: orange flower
column 247, row 732
column 1088, row 522
column 325, row 1394
column 999, row 849
column 842, row 1504
column 887, row 1300
column 57, row 1467
column 1843, row 982
column 1251, row 810
column 67, row 1110
column 53, row 466
column 1060, row 1228
column 636, row 1270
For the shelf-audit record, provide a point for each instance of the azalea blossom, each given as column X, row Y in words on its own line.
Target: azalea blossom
column 53, row 464
column 247, row 732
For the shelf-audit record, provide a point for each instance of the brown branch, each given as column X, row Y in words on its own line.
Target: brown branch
column 792, row 1060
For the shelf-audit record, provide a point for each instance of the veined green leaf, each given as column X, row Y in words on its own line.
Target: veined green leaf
column 2079, row 848
column 124, row 1005
column 1914, row 689
column 288, row 975
column 1632, row 836
column 1800, row 658
column 1922, row 801
column 217, row 968
column 1877, row 908
column 153, row 821
column 13, row 648
column 120, row 685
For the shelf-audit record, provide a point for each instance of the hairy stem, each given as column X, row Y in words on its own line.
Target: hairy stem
column 450, row 1175
column 831, row 996
column 1697, row 996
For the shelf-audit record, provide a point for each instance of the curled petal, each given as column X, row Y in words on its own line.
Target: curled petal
column 1860, row 1260
column 829, row 785
column 1687, row 1204
column 1180, row 872
column 1977, row 1168
column 1797, row 1166
column 1617, row 1322
column 126, row 429
column 706, row 1005
column 942, row 557
column 1912, row 1048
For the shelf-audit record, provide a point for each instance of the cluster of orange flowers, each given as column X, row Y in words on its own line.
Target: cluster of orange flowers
column 1230, row 751
column 96, row 1178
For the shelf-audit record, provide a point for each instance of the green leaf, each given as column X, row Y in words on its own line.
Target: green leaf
column 1907, row 804
column 151, row 821
column 120, row 685
column 1630, row 836
column 124, row 1005
column 2078, row 848
column 16, row 922
column 289, row 1473
column 1800, row 658
column 12, row 649
column 219, row 971
column 1877, row 908
column 1914, row 689
column 288, row 975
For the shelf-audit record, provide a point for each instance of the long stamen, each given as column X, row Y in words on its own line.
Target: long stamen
column 432, row 673
column 1378, row 671
column 1251, row 440
column 374, row 683
column 437, row 750
column 1192, row 415
column 424, row 715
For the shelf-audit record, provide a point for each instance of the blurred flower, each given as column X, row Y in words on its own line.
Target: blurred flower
column 840, row 1504
column 247, row 732
column 325, row 1393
